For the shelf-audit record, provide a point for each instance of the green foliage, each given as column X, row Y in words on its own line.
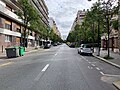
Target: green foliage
column 88, row 31
column 28, row 12
column 54, row 37
column 115, row 24
column 31, row 19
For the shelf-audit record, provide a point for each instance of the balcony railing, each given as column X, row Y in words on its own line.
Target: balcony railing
column 9, row 13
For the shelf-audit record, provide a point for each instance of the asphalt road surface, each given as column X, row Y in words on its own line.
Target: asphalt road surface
column 57, row 68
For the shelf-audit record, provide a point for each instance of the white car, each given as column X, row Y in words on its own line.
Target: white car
column 85, row 49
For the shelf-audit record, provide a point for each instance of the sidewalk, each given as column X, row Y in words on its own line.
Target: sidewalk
column 115, row 62
column 116, row 56
column 3, row 57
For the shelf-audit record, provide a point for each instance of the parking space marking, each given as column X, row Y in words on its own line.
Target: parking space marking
column 102, row 73
column 56, row 54
column 93, row 65
column 98, row 68
column 5, row 64
column 88, row 67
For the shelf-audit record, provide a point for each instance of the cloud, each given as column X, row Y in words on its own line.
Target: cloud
column 64, row 12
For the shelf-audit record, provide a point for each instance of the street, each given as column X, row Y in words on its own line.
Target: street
column 57, row 68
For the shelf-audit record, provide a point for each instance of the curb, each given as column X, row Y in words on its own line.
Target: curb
column 25, row 53
column 113, row 64
column 33, row 51
column 117, row 84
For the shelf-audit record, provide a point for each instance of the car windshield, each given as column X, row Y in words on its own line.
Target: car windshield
column 59, row 44
column 87, row 46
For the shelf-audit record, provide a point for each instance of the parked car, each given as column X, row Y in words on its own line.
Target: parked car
column 55, row 44
column 72, row 45
column 85, row 49
column 47, row 44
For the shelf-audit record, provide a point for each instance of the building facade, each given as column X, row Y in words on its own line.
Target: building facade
column 113, row 38
column 11, row 27
column 54, row 27
column 42, row 9
column 79, row 19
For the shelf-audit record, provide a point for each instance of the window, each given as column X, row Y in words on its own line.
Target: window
column 8, row 38
column 7, row 26
column 18, row 30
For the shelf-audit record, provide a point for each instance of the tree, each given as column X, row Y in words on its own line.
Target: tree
column 54, row 37
column 29, row 15
column 115, row 24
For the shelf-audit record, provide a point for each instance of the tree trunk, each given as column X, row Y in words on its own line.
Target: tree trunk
column 119, row 27
column 24, row 38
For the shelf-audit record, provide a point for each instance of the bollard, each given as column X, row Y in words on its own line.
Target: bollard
column 2, row 48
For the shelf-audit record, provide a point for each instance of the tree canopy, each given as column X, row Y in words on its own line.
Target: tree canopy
column 88, row 30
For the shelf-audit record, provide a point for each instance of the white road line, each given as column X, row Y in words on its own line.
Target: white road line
column 45, row 68
column 91, row 67
column 38, row 77
column 98, row 68
column 93, row 64
column 102, row 73
column 84, row 58
column 56, row 54
column 112, row 75
column 40, row 74
column 88, row 67
column 5, row 64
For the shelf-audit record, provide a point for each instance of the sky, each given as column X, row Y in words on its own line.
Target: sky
column 64, row 12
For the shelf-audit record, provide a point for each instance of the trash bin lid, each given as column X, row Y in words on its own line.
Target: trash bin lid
column 12, row 47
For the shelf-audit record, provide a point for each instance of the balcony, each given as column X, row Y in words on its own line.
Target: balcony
column 8, row 32
column 31, row 37
column 9, row 13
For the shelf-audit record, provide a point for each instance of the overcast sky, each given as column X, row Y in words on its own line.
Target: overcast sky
column 64, row 12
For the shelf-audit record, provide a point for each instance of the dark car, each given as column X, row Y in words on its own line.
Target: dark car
column 55, row 44
column 72, row 45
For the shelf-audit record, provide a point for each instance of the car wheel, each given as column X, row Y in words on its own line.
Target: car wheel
column 78, row 52
column 90, row 54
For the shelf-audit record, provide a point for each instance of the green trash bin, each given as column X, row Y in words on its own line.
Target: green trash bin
column 21, row 51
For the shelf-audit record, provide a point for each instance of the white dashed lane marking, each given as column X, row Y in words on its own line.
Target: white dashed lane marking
column 93, row 65
column 98, row 68
column 45, row 68
column 41, row 73
column 102, row 73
